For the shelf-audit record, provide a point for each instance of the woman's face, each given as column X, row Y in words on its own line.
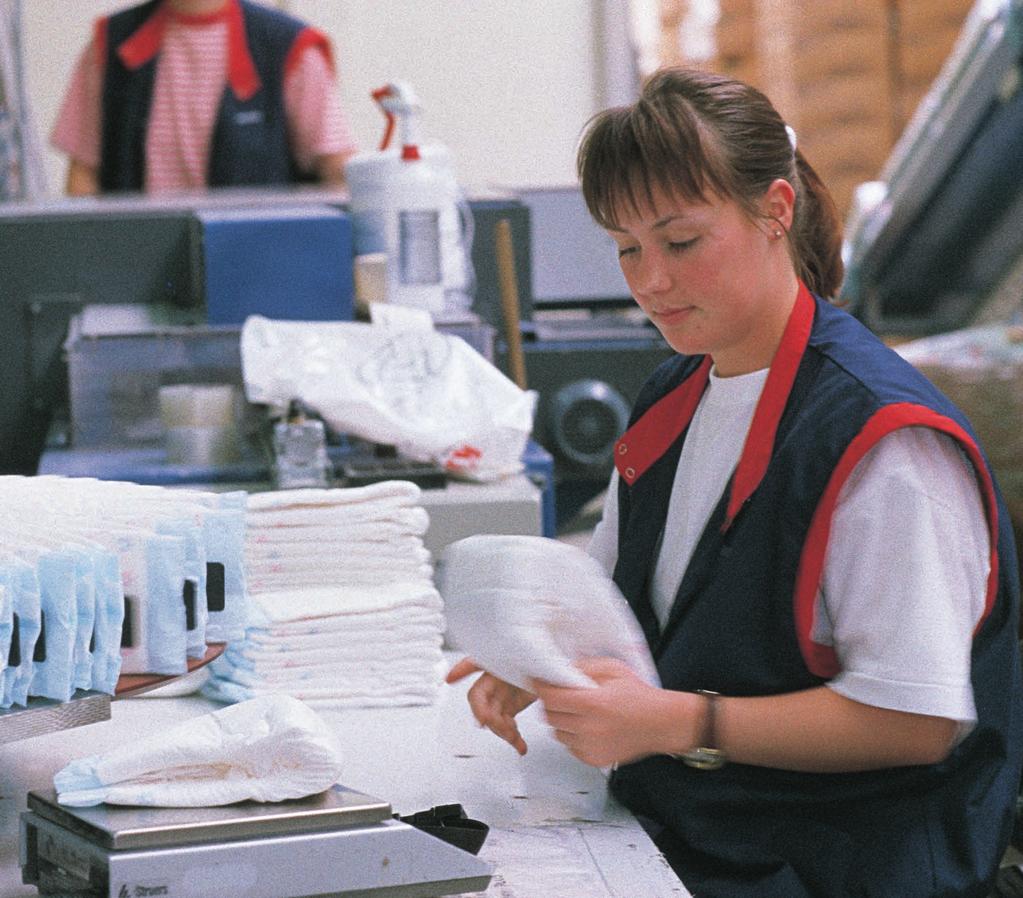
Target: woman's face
column 712, row 280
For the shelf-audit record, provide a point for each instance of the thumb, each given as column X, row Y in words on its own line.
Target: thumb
column 604, row 668
column 461, row 670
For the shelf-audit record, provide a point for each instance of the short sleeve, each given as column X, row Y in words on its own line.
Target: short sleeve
column 312, row 102
column 76, row 131
column 603, row 544
column 905, row 577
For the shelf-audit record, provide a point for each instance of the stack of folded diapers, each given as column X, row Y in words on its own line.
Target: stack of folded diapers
column 343, row 611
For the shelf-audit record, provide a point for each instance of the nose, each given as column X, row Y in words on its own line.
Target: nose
column 650, row 275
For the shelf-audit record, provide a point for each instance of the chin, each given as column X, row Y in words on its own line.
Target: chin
column 683, row 344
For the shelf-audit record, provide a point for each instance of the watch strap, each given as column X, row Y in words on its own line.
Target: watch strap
column 706, row 755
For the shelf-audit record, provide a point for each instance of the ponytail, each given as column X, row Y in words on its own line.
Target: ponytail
column 816, row 236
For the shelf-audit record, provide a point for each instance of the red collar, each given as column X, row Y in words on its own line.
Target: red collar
column 146, row 42
column 649, row 438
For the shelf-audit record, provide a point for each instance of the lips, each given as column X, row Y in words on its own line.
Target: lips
column 671, row 316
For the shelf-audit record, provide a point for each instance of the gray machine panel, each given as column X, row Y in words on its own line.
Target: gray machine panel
column 54, row 260
column 574, row 262
column 58, row 257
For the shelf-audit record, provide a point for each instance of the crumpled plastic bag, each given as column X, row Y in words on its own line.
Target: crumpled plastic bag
column 271, row 748
column 527, row 607
column 431, row 395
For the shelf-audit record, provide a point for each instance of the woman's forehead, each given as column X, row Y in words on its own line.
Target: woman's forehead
column 658, row 204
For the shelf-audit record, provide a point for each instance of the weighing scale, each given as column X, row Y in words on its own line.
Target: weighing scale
column 338, row 843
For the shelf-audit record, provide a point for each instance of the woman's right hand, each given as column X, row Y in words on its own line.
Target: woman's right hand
column 494, row 702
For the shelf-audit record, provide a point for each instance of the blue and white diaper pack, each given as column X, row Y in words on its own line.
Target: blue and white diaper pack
column 26, row 626
column 194, row 595
column 100, row 579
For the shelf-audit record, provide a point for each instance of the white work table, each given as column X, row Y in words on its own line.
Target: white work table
column 554, row 833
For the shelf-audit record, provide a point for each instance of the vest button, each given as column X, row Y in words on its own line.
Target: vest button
column 630, row 473
column 622, row 448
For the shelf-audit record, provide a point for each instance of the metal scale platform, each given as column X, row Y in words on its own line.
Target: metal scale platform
column 337, row 843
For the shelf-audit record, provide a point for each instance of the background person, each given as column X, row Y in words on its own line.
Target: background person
column 808, row 534
column 187, row 94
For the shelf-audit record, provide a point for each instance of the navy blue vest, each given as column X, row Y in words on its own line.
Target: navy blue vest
column 741, row 623
column 249, row 145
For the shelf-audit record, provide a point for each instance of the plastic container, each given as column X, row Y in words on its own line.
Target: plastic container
column 396, row 209
column 413, row 211
column 300, row 455
column 118, row 358
column 197, row 405
column 200, row 424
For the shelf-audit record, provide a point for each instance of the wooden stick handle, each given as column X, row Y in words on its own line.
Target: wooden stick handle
column 510, row 301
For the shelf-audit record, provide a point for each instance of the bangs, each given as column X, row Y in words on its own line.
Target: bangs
column 628, row 153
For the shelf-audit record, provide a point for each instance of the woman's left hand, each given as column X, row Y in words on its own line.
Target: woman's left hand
column 623, row 719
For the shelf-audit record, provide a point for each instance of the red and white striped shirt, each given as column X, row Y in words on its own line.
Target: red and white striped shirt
column 191, row 77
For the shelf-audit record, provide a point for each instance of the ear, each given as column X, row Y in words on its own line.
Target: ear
column 779, row 203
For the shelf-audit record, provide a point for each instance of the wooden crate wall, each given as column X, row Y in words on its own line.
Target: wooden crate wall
column 927, row 31
column 846, row 74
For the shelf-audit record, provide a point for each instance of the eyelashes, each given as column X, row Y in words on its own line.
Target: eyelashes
column 674, row 246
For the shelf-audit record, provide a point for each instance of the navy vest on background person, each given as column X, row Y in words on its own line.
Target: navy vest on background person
column 250, row 143
column 739, row 627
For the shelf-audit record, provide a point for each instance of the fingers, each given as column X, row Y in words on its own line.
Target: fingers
column 598, row 725
column 604, row 668
column 505, row 728
column 563, row 714
column 561, row 698
column 500, row 724
column 494, row 704
column 461, row 670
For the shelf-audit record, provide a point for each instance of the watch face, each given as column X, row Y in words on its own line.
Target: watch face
column 705, row 758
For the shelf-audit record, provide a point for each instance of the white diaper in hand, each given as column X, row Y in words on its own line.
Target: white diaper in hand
column 271, row 748
column 527, row 607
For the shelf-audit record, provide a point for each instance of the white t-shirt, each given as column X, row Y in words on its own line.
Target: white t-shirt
column 905, row 575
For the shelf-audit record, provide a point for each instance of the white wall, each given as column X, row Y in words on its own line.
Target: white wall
column 506, row 85
column 53, row 34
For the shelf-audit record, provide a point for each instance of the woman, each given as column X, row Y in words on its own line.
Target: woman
column 807, row 532
column 174, row 95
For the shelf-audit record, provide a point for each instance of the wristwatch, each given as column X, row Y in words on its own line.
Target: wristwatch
column 706, row 755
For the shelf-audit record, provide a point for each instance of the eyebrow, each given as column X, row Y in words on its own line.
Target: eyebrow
column 660, row 223
column 668, row 219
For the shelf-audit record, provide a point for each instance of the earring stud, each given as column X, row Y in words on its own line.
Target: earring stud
column 777, row 233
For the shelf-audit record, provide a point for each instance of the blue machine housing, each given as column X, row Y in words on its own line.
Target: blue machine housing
column 292, row 263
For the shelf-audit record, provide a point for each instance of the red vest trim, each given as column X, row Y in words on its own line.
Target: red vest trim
column 308, row 37
column 821, row 659
column 649, row 438
column 146, row 42
column 756, row 453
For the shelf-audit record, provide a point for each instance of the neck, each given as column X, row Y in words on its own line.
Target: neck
column 758, row 353
column 197, row 7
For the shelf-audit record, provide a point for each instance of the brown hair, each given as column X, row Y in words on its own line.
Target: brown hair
column 693, row 131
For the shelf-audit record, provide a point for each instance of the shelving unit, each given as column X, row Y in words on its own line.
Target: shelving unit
column 43, row 716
